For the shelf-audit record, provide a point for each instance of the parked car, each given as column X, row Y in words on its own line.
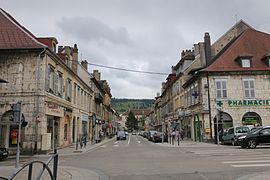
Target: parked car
column 121, row 135
column 260, row 135
column 151, row 135
column 231, row 135
column 3, row 153
column 157, row 137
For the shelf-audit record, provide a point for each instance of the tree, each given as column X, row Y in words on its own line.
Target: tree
column 131, row 121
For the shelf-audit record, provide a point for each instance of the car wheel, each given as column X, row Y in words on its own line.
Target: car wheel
column 252, row 144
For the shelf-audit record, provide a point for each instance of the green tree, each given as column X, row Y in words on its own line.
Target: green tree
column 131, row 121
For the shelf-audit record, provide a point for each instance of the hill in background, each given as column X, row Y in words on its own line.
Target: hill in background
column 123, row 105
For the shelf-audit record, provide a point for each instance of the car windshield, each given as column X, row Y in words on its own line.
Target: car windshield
column 255, row 131
column 242, row 129
column 120, row 133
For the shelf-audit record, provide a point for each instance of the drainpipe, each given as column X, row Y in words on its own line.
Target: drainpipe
column 209, row 106
column 37, row 97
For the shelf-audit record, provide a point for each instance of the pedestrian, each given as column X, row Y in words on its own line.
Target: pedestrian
column 81, row 142
column 84, row 140
column 182, row 135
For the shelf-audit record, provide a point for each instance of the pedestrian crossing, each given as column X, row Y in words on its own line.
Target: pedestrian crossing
column 237, row 158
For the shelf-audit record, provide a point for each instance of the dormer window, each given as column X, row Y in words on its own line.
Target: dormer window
column 244, row 61
column 266, row 59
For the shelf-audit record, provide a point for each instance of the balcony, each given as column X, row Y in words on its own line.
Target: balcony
column 98, row 98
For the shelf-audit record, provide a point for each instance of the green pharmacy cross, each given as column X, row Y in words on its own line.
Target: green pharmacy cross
column 219, row 103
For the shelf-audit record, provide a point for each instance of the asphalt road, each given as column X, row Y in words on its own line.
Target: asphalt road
column 137, row 159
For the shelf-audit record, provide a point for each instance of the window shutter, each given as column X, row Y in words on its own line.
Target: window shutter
column 47, row 78
column 55, row 84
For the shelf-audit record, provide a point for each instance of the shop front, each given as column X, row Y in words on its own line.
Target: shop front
column 55, row 118
column 8, row 130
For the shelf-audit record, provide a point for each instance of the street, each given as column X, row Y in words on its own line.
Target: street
column 137, row 158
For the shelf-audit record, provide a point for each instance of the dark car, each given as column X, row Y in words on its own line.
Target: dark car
column 3, row 153
column 260, row 135
column 121, row 135
column 157, row 137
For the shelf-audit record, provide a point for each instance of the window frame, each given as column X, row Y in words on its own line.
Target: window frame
column 223, row 91
column 249, row 89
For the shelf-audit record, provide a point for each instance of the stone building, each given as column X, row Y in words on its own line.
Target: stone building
column 57, row 92
column 208, row 77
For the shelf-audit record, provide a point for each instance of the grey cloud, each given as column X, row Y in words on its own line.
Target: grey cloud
column 90, row 29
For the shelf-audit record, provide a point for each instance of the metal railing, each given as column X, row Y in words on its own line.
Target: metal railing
column 45, row 166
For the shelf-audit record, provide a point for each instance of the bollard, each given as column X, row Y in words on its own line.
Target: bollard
column 55, row 164
column 76, row 144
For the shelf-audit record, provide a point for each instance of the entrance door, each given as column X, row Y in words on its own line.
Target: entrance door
column 73, row 130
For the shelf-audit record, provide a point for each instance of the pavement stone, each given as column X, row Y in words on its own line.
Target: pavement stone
column 64, row 172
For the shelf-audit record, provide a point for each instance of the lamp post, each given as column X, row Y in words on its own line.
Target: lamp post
column 219, row 107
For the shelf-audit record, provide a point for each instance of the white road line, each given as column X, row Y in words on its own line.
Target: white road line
column 129, row 139
column 116, row 145
column 254, row 156
column 103, row 146
column 116, row 142
column 238, row 162
column 251, row 165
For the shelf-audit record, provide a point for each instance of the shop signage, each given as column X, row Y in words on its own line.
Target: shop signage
column 84, row 117
column 54, row 110
column 249, row 120
column 232, row 103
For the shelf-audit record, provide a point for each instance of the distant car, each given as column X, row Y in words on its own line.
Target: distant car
column 260, row 135
column 151, row 135
column 231, row 135
column 157, row 137
column 3, row 153
column 121, row 135
column 134, row 133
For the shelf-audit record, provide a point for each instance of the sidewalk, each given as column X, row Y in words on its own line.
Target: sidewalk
column 187, row 144
column 64, row 172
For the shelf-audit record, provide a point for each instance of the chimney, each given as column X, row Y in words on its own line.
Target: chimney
column 207, row 49
column 84, row 65
column 96, row 75
column 75, row 58
column 60, row 49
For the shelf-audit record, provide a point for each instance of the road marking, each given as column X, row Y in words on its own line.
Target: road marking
column 251, row 165
column 238, row 162
column 116, row 145
column 103, row 146
column 116, row 142
column 255, row 156
column 129, row 139
column 139, row 142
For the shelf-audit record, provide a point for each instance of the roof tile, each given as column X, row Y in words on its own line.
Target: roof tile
column 250, row 43
column 15, row 36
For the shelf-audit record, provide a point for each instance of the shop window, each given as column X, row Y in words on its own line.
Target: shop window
column 65, row 132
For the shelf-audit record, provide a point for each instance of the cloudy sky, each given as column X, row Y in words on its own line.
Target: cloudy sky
column 143, row 35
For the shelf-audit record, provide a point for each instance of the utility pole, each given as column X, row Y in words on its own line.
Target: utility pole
column 17, row 118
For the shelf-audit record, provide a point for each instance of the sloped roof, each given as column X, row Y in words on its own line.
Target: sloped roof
column 138, row 112
column 15, row 36
column 250, row 43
